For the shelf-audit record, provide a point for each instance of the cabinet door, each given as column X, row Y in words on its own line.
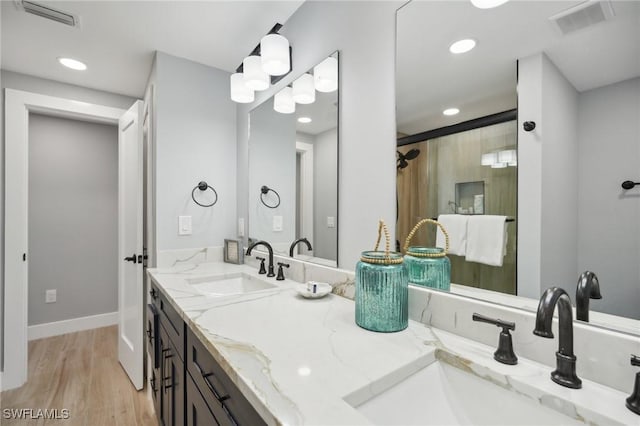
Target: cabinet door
column 172, row 383
column 198, row 413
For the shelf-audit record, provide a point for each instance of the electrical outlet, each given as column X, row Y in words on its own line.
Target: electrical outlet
column 51, row 296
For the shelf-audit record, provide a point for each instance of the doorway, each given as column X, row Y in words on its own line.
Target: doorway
column 19, row 105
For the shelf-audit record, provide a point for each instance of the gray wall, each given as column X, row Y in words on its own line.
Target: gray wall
column 28, row 83
column 194, row 140
column 325, row 203
column 364, row 33
column 559, row 250
column 609, row 217
column 272, row 162
column 547, row 178
column 73, row 218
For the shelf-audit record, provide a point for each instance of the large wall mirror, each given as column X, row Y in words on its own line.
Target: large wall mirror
column 293, row 168
column 592, row 46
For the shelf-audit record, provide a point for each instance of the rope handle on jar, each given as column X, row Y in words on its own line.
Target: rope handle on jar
column 413, row 231
column 387, row 251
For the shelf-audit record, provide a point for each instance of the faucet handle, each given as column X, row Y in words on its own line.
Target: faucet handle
column 280, row 276
column 262, row 268
column 504, row 353
column 633, row 402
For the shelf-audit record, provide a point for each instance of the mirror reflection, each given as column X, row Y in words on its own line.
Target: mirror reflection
column 581, row 79
column 293, row 175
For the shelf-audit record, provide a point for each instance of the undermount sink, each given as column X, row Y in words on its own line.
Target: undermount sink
column 217, row 286
column 441, row 394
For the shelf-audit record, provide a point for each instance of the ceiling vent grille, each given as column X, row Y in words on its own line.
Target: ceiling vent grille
column 48, row 12
column 582, row 16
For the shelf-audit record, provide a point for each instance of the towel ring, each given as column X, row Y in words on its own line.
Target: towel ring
column 265, row 190
column 203, row 186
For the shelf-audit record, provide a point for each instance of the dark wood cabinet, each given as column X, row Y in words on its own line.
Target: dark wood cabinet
column 198, row 412
column 172, row 388
column 187, row 383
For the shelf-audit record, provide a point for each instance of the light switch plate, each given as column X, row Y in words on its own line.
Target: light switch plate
column 184, row 225
column 51, row 296
column 277, row 223
column 331, row 222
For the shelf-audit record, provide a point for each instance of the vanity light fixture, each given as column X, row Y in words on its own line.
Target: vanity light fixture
column 304, row 91
column 462, row 46
column 507, row 156
column 325, row 75
column 304, row 120
column 254, row 77
column 487, row 4
column 74, row 64
column 489, row 159
column 267, row 64
column 274, row 53
column 239, row 91
column 283, row 101
column 451, row 111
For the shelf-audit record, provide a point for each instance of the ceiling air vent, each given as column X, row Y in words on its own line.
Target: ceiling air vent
column 582, row 16
column 48, row 12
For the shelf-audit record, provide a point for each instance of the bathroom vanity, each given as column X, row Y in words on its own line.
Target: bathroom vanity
column 236, row 347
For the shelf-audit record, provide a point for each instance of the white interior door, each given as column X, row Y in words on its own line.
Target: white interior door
column 130, row 241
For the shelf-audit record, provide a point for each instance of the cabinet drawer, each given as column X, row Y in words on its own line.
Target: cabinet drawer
column 224, row 399
column 198, row 413
column 153, row 347
column 173, row 324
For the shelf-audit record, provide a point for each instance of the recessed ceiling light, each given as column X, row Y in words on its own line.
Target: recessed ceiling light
column 462, row 46
column 451, row 111
column 74, row 64
column 487, row 4
column 304, row 120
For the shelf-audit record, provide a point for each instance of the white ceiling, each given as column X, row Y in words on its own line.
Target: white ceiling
column 117, row 39
column 483, row 81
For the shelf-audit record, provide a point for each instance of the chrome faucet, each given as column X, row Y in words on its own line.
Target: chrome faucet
column 270, row 249
column 565, row 372
column 298, row 241
column 588, row 288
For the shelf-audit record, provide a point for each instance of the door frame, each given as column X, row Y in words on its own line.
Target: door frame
column 306, row 191
column 18, row 105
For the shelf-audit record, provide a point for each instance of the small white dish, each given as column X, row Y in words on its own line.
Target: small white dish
column 306, row 290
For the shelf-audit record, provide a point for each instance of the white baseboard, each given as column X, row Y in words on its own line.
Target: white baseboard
column 72, row 325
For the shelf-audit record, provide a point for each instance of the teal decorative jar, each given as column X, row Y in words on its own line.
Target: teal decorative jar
column 382, row 290
column 428, row 266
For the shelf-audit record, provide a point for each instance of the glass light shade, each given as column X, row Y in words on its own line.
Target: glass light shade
column 274, row 53
column 489, row 159
column 499, row 165
column 239, row 91
column 325, row 75
column 304, row 91
column 283, row 101
column 254, row 77
column 507, row 156
column 487, row 4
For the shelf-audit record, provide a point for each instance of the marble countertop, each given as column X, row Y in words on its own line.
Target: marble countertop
column 303, row 361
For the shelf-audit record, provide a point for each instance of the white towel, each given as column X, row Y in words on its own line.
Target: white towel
column 487, row 239
column 456, row 227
